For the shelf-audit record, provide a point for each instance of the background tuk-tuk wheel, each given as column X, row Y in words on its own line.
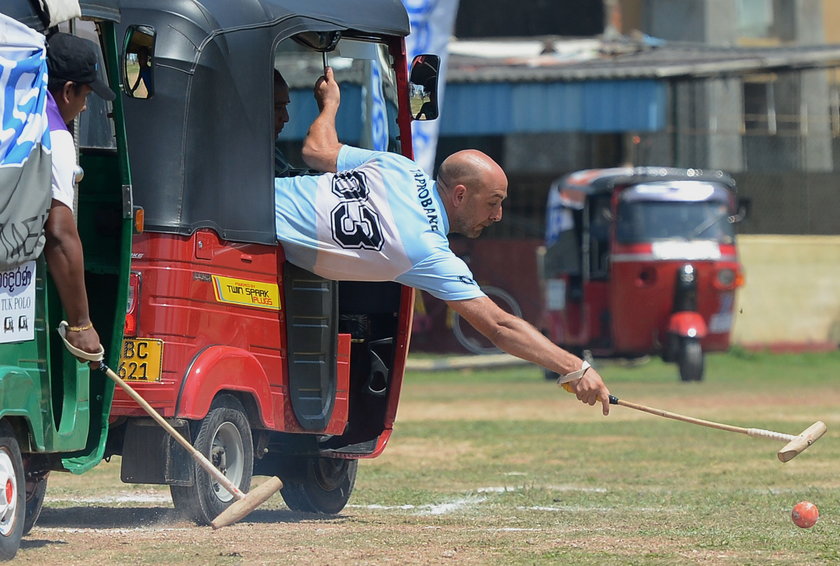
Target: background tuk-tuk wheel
column 690, row 359
column 36, row 491
column 224, row 437
column 11, row 474
column 317, row 484
column 470, row 338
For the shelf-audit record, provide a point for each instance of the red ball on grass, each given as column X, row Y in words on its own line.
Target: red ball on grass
column 805, row 514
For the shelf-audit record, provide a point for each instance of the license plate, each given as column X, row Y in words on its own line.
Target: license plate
column 141, row 360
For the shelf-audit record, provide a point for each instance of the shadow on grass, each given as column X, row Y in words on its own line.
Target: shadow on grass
column 155, row 517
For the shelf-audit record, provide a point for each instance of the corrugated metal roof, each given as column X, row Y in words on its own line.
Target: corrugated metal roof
column 629, row 60
column 586, row 85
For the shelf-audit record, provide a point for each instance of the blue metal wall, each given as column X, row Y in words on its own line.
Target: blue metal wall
column 509, row 108
column 592, row 106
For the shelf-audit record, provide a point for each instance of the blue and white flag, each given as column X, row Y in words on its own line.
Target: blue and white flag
column 376, row 107
column 432, row 23
column 25, row 165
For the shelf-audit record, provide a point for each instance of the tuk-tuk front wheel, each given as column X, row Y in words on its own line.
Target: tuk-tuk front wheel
column 224, row 437
column 317, row 484
column 690, row 359
column 13, row 495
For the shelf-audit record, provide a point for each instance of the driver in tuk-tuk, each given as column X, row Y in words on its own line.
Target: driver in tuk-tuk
column 377, row 216
column 282, row 167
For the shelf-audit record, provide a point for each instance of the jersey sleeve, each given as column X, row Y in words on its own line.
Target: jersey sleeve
column 443, row 275
column 350, row 157
column 63, row 167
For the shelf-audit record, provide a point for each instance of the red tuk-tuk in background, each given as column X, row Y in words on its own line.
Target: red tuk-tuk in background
column 642, row 261
column 266, row 368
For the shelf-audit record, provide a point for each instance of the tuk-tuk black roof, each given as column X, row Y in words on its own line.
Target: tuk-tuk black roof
column 582, row 184
column 201, row 148
column 25, row 11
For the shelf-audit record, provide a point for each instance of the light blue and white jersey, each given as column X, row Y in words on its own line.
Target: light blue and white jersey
column 379, row 218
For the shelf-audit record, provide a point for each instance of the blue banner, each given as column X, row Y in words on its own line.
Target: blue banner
column 25, row 166
column 432, row 23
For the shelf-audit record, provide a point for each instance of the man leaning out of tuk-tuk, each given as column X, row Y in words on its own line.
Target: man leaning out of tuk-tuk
column 376, row 216
column 72, row 68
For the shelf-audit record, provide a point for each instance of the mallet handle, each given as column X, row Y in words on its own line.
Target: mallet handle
column 795, row 443
column 194, row 452
column 659, row 412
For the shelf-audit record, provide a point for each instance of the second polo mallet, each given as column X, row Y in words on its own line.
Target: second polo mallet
column 795, row 443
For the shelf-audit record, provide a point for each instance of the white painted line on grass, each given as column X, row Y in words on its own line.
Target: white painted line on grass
column 576, row 488
column 120, row 530
column 383, row 507
column 126, row 498
column 452, row 506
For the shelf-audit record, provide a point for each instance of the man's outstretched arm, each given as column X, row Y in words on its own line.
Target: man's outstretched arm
column 321, row 146
column 519, row 338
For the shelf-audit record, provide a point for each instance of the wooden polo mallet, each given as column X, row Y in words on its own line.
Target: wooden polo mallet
column 246, row 502
column 795, row 444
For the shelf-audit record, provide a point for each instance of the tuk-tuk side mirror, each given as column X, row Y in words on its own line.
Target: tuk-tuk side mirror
column 743, row 209
column 423, row 85
column 138, row 68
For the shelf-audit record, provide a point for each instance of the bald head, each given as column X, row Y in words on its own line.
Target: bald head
column 470, row 167
column 472, row 187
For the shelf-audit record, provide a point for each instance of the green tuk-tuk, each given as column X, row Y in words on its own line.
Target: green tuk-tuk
column 53, row 409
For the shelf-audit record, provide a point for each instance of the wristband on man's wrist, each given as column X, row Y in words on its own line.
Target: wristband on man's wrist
column 575, row 374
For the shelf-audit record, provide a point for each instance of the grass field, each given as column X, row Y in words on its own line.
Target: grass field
column 502, row 467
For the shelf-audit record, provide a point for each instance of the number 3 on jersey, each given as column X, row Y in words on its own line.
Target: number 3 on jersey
column 354, row 223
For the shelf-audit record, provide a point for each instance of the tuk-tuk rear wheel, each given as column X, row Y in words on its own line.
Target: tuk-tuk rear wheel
column 690, row 359
column 36, row 492
column 224, row 437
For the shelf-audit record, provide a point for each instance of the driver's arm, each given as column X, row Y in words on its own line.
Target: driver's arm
column 321, row 146
column 519, row 338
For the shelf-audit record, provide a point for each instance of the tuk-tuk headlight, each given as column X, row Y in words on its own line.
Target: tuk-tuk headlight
column 726, row 278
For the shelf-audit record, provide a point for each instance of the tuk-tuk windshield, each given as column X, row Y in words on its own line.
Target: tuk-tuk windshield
column 645, row 221
column 368, row 114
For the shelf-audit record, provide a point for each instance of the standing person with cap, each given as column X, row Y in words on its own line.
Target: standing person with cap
column 73, row 73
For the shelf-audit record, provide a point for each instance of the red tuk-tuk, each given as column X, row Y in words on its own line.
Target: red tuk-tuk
column 268, row 369
column 642, row 261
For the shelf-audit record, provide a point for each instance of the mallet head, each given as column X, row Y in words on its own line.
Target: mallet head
column 805, row 439
column 251, row 501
